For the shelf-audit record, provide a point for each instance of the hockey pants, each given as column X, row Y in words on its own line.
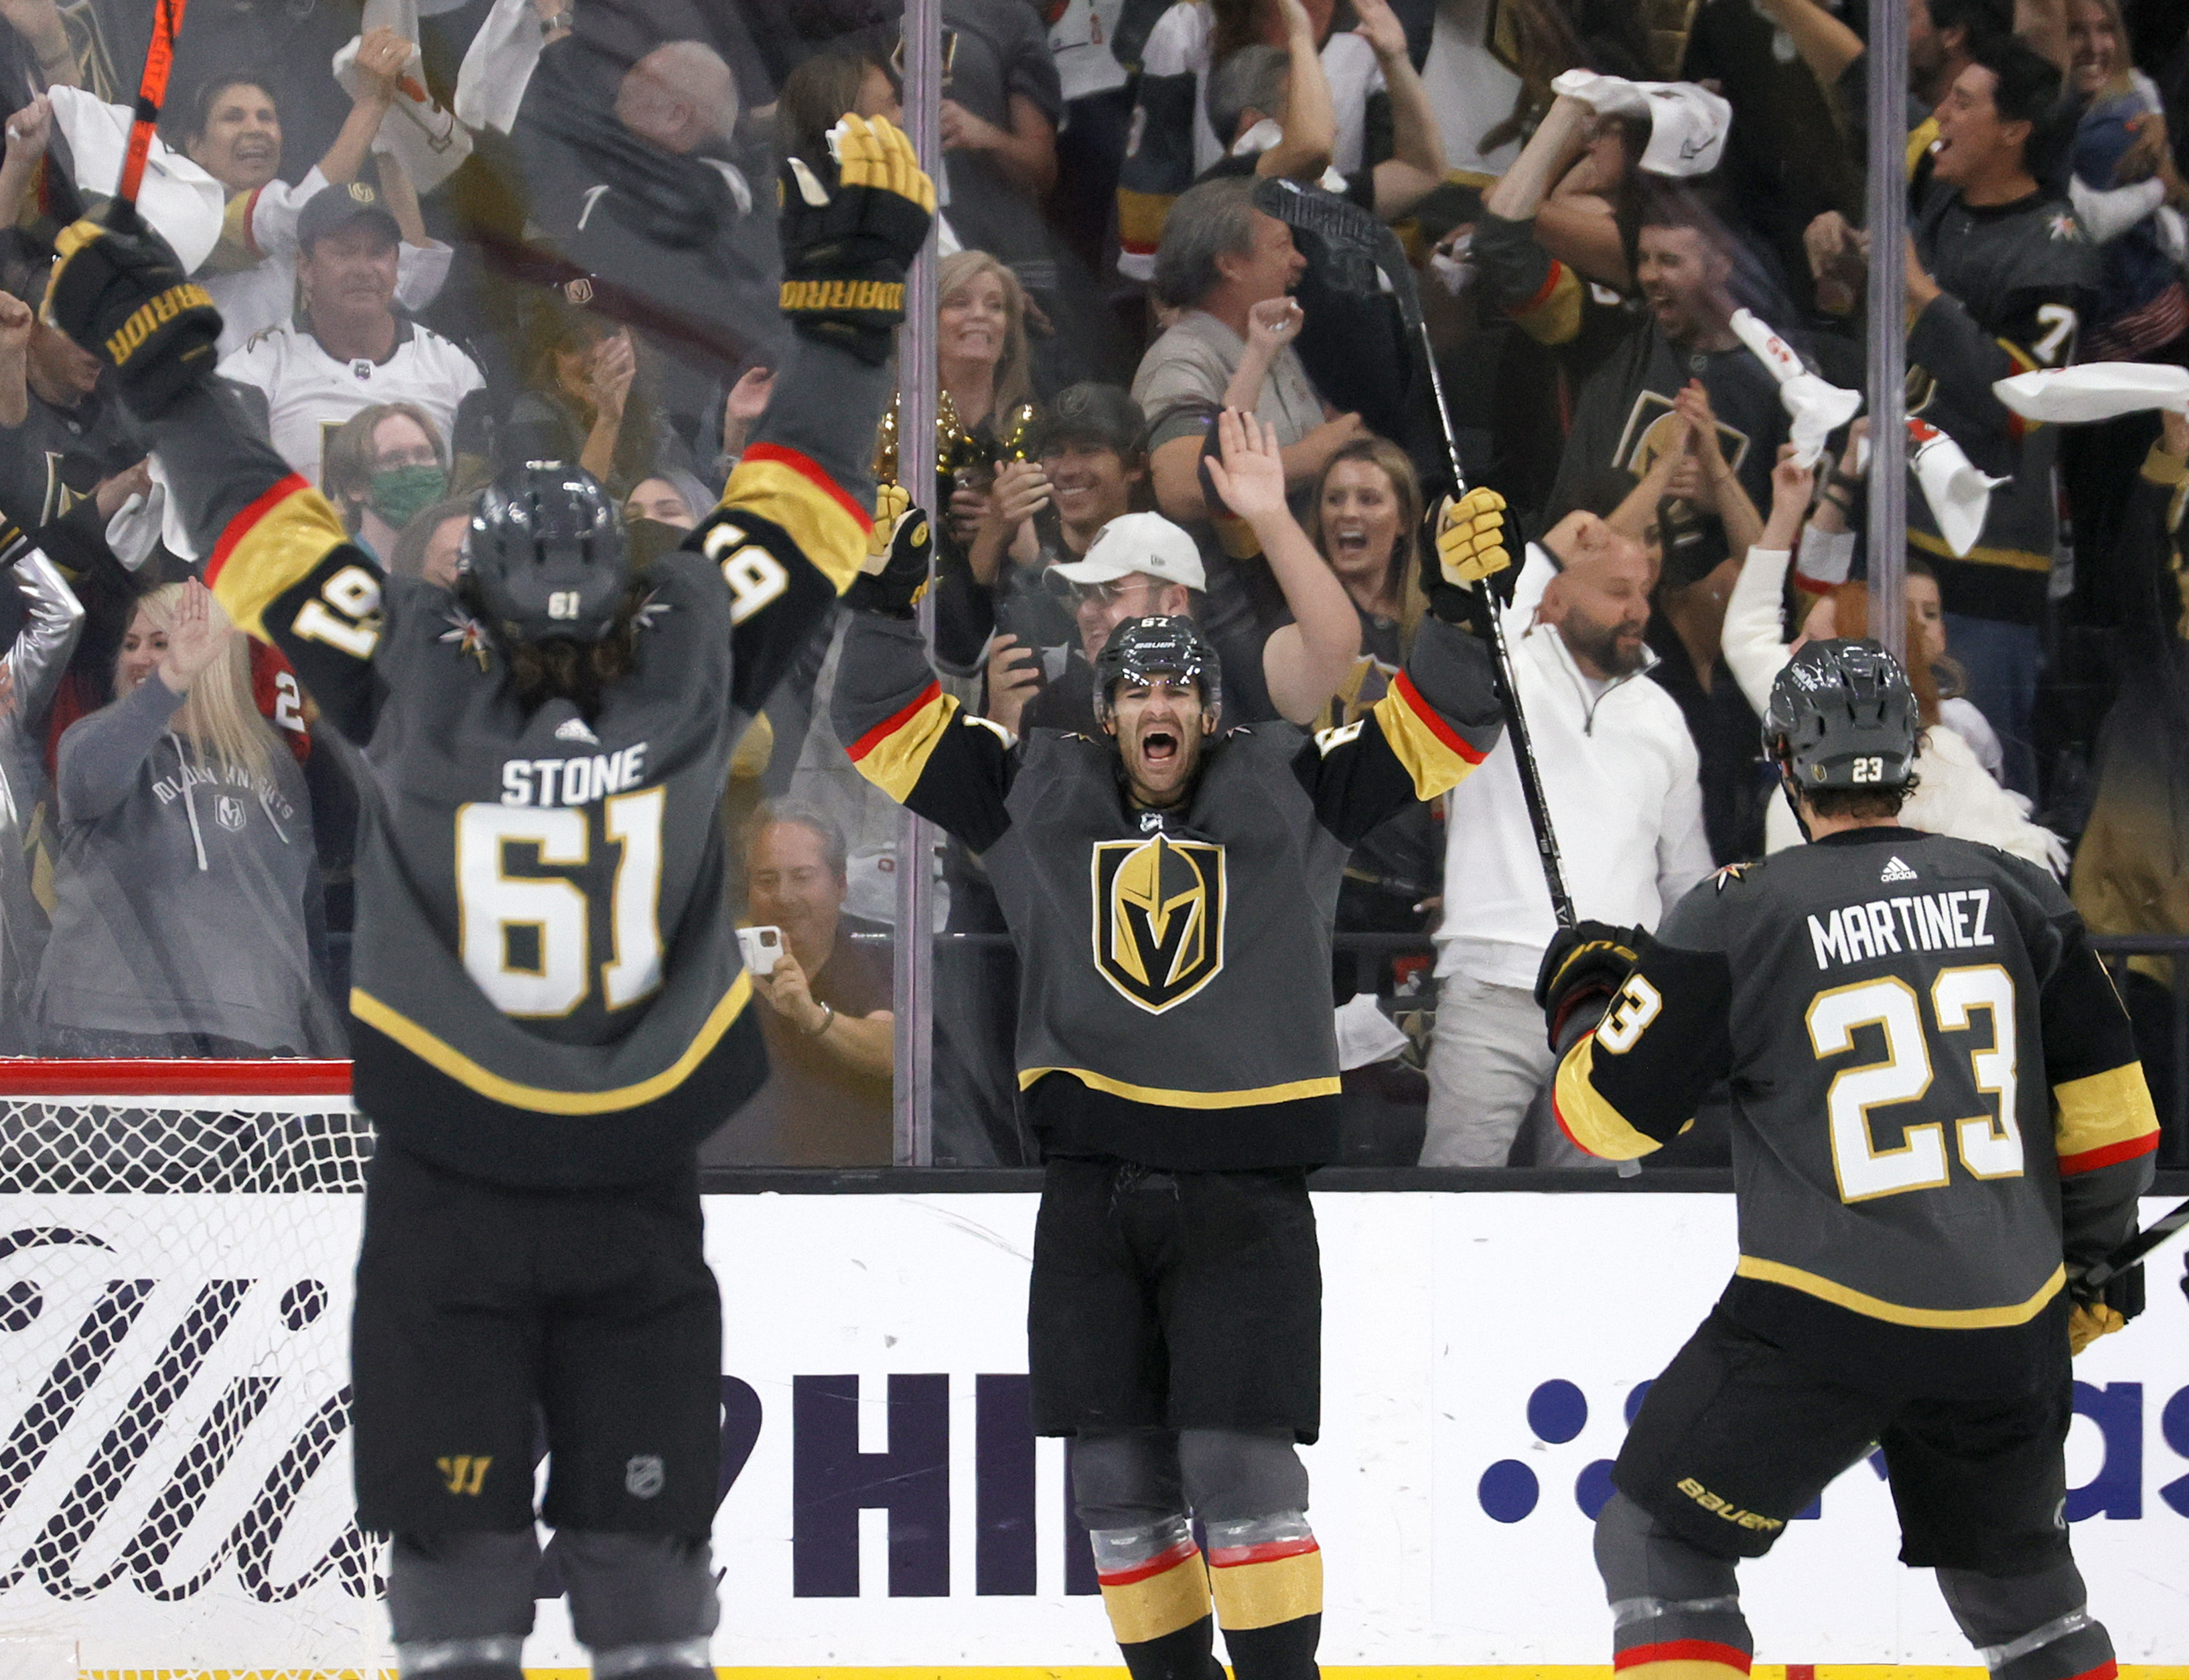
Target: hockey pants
column 643, row 1604
column 1676, row 1611
column 1133, row 1489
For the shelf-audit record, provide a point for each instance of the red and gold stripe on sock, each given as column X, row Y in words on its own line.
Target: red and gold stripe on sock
column 1168, row 1592
column 1260, row 1586
column 1681, row 1660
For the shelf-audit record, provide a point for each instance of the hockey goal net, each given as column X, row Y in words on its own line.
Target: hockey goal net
column 176, row 1246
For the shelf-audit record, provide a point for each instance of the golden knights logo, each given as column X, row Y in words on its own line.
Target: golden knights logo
column 1158, row 917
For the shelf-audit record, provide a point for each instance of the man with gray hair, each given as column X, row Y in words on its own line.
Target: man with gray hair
column 1228, row 270
column 652, row 199
column 825, row 1012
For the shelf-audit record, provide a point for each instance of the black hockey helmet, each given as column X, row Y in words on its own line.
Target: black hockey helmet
column 547, row 547
column 1140, row 648
column 1843, row 715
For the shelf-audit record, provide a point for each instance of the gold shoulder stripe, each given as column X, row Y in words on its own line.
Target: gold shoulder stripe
column 1292, row 1092
column 1585, row 1117
column 539, row 1098
column 1434, row 754
column 1922, row 1318
column 894, row 753
column 794, row 492
column 270, row 547
column 2104, row 1119
column 1552, row 315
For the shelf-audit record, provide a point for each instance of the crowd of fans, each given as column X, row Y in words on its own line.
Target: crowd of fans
column 447, row 235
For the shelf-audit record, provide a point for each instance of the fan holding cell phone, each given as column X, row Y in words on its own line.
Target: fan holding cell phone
column 822, row 1003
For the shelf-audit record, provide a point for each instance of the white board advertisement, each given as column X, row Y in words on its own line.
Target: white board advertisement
column 174, row 1455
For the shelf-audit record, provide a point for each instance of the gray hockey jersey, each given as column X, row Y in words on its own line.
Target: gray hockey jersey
column 1937, row 1107
column 547, row 988
column 1174, row 1006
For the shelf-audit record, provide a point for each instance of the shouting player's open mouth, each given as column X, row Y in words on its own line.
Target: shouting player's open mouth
column 1159, row 746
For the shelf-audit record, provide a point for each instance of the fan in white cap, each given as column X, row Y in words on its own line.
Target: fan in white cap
column 2095, row 391
column 1817, row 407
column 1688, row 124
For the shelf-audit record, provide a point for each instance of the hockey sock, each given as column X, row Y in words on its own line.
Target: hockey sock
column 1156, row 1589
column 461, row 1605
column 643, row 1604
column 1266, row 1573
column 2067, row 1643
column 1674, row 1608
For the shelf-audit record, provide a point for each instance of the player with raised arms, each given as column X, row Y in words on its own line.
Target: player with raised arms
column 1939, row 1122
column 1169, row 888
column 550, row 1011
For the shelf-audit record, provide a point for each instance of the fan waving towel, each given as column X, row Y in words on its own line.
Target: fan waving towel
column 1817, row 407
column 178, row 198
column 2095, row 391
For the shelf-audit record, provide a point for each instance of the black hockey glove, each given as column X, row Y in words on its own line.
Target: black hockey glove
column 1470, row 564
column 850, row 234
column 1582, row 971
column 895, row 574
column 2106, row 1308
column 121, row 293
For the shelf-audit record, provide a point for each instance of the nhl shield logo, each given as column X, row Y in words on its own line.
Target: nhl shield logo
column 227, row 811
column 1158, row 917
column 643, row 1476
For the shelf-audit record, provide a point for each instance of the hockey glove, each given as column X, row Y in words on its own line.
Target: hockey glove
column 1582, row 971
column 850, row 234
column 895, row 574
column 2116, row 1301
column 1469, row 569
column 121, row 293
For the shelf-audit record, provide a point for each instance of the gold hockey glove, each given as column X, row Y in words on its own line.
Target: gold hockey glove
column 895, row 575
column 1468, row 568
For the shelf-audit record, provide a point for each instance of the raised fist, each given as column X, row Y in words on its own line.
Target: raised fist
column 1468, row 568
column 121, row 293
column 895, row 574
column 850, row 231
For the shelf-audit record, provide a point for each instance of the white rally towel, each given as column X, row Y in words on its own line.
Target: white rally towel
column 178, row 198
column 2095, row 391
column 1688, row 124
column 1959, row 496
column 418, row 132
column 1365, row 1035
column 1817, row 407
column 498, row 67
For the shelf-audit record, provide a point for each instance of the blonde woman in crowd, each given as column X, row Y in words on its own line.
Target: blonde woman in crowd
column 187, row 882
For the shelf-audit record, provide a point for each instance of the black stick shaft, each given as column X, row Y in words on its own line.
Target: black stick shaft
column 2133, row 1250
column 1508, row 689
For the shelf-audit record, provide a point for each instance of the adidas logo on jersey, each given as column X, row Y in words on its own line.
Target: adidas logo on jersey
column 1894, row 869
column 574, row 729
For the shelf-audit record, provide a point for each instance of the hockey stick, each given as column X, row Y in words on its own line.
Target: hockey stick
column 151, row 92
column 2132, row 1252
column 1362, row 249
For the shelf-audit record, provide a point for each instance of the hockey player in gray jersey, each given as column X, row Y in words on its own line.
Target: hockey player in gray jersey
column 1939, row 1121
column 1170, row 887
column 549, row 1011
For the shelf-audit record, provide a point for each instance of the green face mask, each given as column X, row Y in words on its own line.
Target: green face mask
column 400, row 496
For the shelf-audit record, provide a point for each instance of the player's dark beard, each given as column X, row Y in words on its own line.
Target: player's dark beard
column 560, row 669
